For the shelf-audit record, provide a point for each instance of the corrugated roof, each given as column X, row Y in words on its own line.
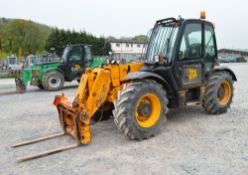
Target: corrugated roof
column 126, row 41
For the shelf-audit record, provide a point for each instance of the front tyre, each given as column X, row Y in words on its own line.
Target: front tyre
column 219, row 93
column 53, row 81
column 140, row 109
column 104, row 113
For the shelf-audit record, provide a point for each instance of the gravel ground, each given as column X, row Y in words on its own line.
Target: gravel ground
column 190, row 142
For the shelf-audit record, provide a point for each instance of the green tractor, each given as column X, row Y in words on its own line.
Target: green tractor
column 51, row 76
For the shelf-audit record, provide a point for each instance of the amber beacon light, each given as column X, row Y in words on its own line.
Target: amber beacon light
column 203, row 15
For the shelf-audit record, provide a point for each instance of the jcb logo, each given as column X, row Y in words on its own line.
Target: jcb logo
column 191, row 74
column 76, row 67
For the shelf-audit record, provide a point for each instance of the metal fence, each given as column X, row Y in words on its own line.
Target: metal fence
column 8, row 68
column 11, row 66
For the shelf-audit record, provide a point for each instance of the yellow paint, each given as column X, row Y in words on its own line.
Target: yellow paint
column 153, row 101
column 76, row 67
column 96, row 87
column 191, row 74
column 227, row 93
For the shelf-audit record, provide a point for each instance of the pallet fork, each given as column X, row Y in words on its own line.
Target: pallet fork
column 44, row 153
column 54, row 150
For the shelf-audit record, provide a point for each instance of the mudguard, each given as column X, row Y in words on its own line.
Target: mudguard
column 227, row 69
column 149, row 75
column 56, row 70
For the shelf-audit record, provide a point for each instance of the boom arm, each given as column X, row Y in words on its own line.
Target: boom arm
column 96, row 87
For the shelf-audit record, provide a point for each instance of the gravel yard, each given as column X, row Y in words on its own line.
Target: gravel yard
column 190, row 142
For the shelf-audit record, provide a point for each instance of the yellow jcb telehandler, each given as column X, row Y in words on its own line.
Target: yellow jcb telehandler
column 180, row 67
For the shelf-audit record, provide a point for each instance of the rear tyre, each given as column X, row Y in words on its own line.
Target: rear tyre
column 140, row 109
column 40, row 86
column 219, row 93
column 53, row 81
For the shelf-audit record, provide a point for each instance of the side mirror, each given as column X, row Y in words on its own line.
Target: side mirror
column 160, row 59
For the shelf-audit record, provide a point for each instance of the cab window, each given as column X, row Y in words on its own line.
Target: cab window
column 88, row 55
column 210, row 49
column 76, row 54
column 191, row 43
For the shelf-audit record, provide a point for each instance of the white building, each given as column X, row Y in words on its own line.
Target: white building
column 127, row 48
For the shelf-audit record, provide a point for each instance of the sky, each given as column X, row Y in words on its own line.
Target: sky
column 133, row 17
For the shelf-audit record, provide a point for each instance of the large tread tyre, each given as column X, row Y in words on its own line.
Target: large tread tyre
column 53, row 81
column 126, row 117
column 219, row 93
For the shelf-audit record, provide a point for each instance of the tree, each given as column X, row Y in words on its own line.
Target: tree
column 140, row 38
column 60, row 38
column 111, row 38
column 25, row 34
column 106, row 48
column 53, row 40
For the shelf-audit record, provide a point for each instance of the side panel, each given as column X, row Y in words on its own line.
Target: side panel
column 191, row 75
column 26, row 76
column 43, row 69
column 97, row 62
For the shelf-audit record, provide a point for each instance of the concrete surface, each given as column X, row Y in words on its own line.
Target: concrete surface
column 190, row 142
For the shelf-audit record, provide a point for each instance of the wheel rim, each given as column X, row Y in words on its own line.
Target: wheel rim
column 224, row 93
column 148, row 110
column 54, row 81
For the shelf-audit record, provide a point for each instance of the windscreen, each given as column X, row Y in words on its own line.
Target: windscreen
column 162, row 42
column 65, row 54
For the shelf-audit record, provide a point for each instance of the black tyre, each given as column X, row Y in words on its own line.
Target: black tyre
column 104, row 114
column 140, row 109
column 53, row 81
column 40, row 86
column 219, row 93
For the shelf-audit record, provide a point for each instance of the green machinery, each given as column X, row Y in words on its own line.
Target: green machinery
column 51, row 76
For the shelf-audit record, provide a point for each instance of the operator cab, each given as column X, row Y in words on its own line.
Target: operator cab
column 75, row 59
column 179, row 39
column 77, row 54
column 183, row 52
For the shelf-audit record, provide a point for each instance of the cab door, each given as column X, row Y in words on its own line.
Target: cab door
column 75, row 62
column 189, row 62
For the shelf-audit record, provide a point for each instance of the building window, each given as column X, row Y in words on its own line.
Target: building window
column 138, row 45
column 127, row 45
column 117, row 45
column 131, row 45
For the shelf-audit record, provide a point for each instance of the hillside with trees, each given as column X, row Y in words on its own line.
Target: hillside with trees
column 29, row 35
column 36, row 38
